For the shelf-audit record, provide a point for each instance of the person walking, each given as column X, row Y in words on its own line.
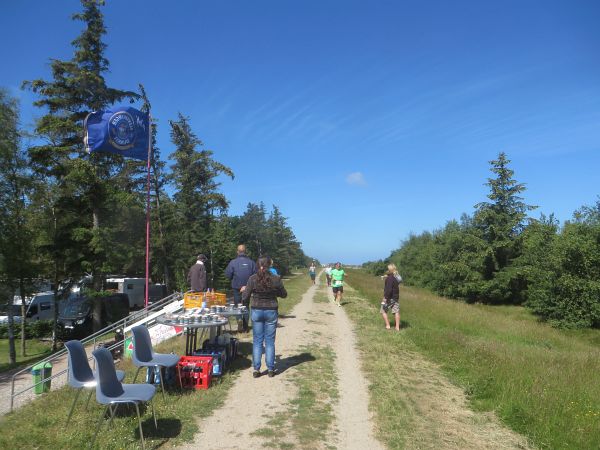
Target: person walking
column 337, row 283
column 328, row 274
column 262, row 290
column 312, row 272
column 239, row 271
column 391, row 296
column 197, row 275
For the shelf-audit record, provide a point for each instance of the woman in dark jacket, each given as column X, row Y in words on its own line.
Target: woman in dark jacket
column 262, row 289
column 391, row 296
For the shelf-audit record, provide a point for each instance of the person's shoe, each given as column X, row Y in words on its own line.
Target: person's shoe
column 256, row 374
column 271, row 373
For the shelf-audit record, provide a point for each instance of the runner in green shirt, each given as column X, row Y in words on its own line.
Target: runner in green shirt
column 337, row 283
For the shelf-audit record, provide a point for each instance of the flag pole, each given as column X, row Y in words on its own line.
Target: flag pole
column 148, row 210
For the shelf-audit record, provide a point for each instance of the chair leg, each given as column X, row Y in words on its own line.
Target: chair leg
column 99, row 426
column 136, row 374
column 179, row 377
column 73, row 406
column 162, row 386
column 153, row 415
column 88, row 400
column 112, row 414
column 137, row 410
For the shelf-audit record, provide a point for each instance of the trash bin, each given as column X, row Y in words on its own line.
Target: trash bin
column 128, row 347
column 40, row 372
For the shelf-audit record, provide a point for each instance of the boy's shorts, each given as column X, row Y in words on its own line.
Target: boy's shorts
column 393, row 306
column 337, row 289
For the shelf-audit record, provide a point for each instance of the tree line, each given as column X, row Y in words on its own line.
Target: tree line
column 65, row 213
column 500, row 255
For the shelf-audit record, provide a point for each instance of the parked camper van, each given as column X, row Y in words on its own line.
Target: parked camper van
column 135, row 288
column 39, row 307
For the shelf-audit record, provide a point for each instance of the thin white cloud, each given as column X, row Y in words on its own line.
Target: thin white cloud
column 356, row 179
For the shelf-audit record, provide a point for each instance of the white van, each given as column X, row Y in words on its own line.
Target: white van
column 40, row 307
column 135, row 288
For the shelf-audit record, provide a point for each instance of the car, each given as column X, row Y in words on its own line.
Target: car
column 84, row 315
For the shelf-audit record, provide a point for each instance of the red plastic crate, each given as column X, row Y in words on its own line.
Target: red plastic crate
column 195, row 371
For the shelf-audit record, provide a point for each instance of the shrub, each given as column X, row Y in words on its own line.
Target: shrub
column 37, row 330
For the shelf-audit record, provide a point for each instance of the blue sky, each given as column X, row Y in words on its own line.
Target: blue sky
column 363, row 121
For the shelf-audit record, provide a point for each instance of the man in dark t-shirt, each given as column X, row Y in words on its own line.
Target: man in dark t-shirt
column 238, row 271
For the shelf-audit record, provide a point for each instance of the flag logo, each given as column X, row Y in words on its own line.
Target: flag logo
column 121, row 130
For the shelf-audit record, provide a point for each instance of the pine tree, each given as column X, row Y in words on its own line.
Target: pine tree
column 252, row 230
column 197, row 198
column 78, row 87
column 501, row 223
column 16, row 237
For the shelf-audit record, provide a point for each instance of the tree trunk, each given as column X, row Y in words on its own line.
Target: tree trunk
column 23, row 311
column 12, row 352
column 56, row 281
column 97, row 275
column 161, row 234
column 55, row 318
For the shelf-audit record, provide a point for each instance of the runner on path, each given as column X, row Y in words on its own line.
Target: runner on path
column 312, row 272
column 337, row 275
column 328, row 275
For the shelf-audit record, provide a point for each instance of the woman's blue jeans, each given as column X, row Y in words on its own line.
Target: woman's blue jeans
column 264, row 327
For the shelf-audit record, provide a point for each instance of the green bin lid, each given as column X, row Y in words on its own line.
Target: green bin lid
column 41, row 366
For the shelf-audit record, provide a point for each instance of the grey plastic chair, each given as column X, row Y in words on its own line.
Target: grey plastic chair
column 81, row 375
column 110, row 391
column 144, row 356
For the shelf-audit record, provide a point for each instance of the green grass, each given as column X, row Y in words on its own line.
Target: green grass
column 41, row 423
column 295, row 285
column 35, row 349
column 542, row 382
column 309, row 415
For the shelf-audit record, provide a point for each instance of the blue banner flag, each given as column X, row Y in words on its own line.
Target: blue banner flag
column 123, row 130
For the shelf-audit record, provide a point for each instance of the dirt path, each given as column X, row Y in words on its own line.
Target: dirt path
column 440, row 416
column 24, row 382
column 352, row 413
column 252, row 403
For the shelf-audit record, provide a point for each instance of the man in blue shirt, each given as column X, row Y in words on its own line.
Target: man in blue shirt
column 238, row 271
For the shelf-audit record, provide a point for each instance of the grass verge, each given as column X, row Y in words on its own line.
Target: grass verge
column 542, row 382
column 309, row 415
column 36, row 350
column 41, row 423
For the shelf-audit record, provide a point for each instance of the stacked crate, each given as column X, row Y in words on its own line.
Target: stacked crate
column 195, row 371
column 206, row 299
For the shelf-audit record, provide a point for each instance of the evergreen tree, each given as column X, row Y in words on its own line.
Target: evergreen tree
column 197, row 198
column 500, row 223
column 502, row 220
column 283, row 244
column 16, row 265
column 252, row 230
column 221, row 248
column 78, row 87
